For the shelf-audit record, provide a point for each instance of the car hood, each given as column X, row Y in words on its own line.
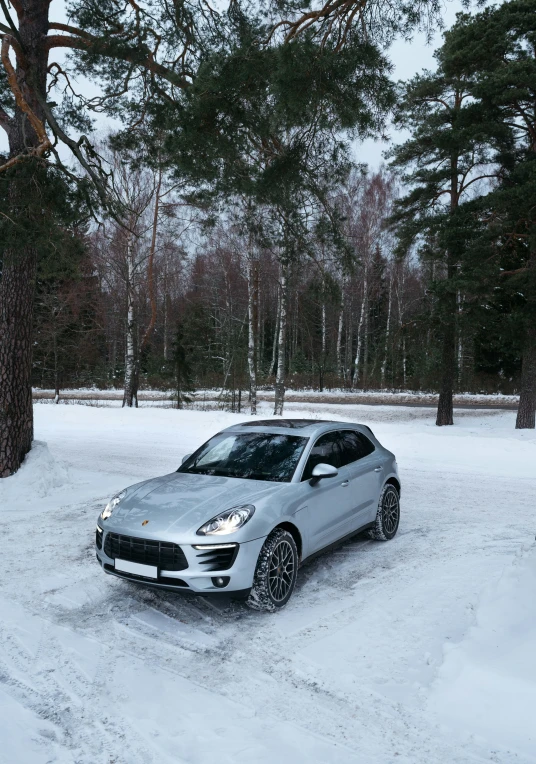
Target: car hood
column 181, row 502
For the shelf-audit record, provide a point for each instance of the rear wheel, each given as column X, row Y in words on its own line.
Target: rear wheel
column 276, row 571
column 388, row 515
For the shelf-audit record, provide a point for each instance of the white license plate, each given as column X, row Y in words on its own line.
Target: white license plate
column 125, row 566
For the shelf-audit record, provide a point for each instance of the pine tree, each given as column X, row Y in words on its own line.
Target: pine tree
column 497, row 49
column 447, row 154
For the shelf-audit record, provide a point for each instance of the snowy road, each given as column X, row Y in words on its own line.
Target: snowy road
column 357, row 668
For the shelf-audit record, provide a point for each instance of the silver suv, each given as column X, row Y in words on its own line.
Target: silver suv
column 244, row 511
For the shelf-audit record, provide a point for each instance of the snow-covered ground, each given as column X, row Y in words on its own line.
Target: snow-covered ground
column 417, row 651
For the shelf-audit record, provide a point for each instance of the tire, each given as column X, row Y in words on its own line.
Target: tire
column 388, row 515
column 273, row 586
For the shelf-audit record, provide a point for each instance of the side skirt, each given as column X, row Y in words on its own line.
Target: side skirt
column 336, row 544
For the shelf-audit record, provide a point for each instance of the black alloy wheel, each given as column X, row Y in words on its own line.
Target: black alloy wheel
column 276, row 571
column 388, row 515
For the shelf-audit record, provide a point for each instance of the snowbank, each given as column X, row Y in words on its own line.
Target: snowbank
column 486, row 688
column 39, row 476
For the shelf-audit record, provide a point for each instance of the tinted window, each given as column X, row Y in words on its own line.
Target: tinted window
column 326, row 450
column 256, row 456
column 354, row 446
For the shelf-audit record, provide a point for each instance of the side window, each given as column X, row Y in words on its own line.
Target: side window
column 326, row 450
column 367, row 447
column 354, row 446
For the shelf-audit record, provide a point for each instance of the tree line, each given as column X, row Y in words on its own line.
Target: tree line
column 226, row 237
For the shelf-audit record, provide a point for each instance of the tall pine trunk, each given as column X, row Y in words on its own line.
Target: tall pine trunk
column 448, row 352
column 448, row 320
column 527, row 395
column 281, row 343
column 19, row 261
column 17, row 289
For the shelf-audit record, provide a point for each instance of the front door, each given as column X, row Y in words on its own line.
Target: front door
column 329, row 500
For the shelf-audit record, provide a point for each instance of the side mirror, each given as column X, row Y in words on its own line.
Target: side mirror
column 323, row 471
column 187, row 456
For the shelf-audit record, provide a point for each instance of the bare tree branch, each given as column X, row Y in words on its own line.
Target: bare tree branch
column 80, row 40
column 44, row 144
column 13, row 29
column 17, row 5
column 5, row 121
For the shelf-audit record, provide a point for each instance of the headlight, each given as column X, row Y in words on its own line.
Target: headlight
column 112, row 504
column 227, row 522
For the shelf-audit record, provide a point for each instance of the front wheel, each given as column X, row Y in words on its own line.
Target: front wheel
column 275, row 573
column 388, row 515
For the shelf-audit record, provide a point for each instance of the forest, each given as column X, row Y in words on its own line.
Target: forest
column 227, row 237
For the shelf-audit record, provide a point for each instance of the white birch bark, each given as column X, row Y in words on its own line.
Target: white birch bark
column 460, row 341
column 252, row 326
column 281, row 344
column 340, row 363
column 130, row 396
column 387, row 329
column 276, row 332
column 357, row 368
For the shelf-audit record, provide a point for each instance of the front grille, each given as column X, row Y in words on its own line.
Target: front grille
column 163, row 554
column 218, row 559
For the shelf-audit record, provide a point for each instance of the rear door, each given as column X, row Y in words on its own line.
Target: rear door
column 361, row 465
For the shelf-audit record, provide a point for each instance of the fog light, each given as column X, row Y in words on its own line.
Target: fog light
column 220, row 581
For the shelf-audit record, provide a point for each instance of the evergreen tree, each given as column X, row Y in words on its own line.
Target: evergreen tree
column 497, row 49
column 446, row 159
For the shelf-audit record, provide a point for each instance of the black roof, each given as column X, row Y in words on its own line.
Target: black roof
column 291, row 424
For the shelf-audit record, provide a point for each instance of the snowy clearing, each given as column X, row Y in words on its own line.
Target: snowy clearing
column 417, row 651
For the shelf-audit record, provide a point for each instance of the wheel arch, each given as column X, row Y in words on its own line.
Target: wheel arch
column 394, row 482
column 295, row 533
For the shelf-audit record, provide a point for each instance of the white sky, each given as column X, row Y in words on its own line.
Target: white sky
column 408, row 57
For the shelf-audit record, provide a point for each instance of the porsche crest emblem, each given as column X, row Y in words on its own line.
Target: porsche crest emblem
column 145, row 522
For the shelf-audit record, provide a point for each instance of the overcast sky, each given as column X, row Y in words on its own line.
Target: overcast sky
column 408, row 59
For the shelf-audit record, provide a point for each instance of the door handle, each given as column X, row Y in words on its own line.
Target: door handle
column 345, row 482
column 378, row 469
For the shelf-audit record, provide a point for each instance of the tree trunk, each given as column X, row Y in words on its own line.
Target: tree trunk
column 459, row 353
column 324, row 341
column 341, row 362
column 273, row 362
column 130, row 395
column 281, row 344
column 448, row 358
column 252, row 330
column 17, row 282
column 527, row 395
column 449, row 320
column 360, row 331
column 16, row 324
column 387, row 330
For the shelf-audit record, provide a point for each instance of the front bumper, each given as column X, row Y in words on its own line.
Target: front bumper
column 196, row 579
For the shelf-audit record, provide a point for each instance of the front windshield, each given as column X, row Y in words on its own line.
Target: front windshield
column 254, row 455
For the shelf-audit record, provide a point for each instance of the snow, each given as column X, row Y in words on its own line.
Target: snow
column 42, row 474
column 486, row 687
column 417, row 651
